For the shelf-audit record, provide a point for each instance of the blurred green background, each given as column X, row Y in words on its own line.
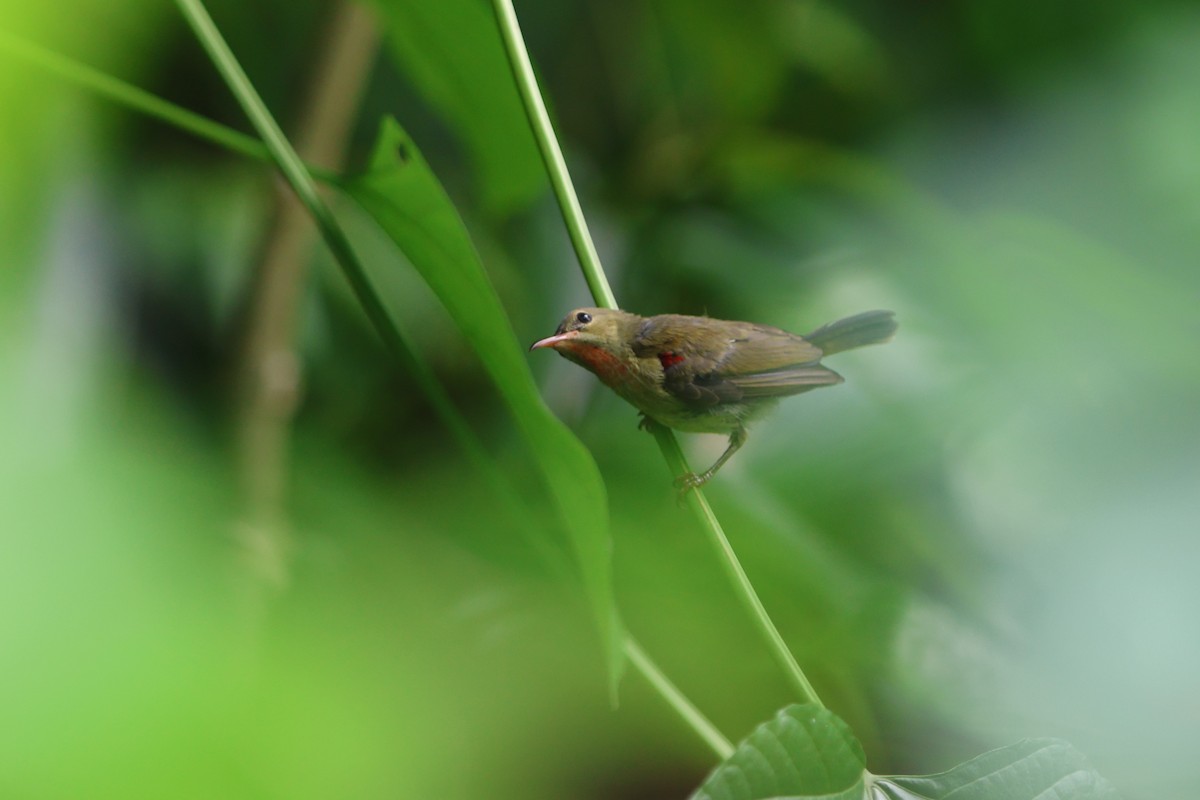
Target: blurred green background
column 988, row 532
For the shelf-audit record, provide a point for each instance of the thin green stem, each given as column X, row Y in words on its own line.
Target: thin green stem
column 298, row 176
column 745, row 590
column 699, row 723
column 573, row 215
column 293, row 169
column 552, row 157
column 140, row 100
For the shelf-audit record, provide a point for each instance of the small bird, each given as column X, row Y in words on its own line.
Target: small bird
column 704, row 375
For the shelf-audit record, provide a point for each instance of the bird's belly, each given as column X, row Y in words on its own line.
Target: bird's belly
column 710, row 422
column 643, row 389
column 723, row 418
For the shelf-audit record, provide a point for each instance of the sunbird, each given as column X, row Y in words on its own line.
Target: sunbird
column 703, row 375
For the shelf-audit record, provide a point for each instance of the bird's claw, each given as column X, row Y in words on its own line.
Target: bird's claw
column 686, row 482
column 646, row 424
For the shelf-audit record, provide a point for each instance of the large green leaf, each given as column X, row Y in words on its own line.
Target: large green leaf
column 406, row 199
column 451, row 51
column 807, row 753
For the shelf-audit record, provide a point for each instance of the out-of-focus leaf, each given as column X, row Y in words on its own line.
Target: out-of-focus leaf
column 451, row 51
column 1028, row 770
column 826, row 40
column 725, row 55
column 807, row 752
column 408, row 202
column 738, row 56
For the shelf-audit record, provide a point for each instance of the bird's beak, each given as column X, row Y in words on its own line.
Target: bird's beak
column 550, row 341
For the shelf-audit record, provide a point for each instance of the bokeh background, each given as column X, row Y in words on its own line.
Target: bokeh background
column 295, row 585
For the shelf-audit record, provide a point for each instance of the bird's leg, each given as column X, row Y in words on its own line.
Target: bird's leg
column 685, row 483
column 646, row 423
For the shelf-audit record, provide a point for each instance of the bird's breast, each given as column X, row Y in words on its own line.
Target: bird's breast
column 640, row 382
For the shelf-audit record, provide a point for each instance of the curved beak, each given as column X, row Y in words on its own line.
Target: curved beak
column 551, row 341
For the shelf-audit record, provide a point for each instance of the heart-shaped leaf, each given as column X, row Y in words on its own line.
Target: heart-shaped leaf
column 807, row 753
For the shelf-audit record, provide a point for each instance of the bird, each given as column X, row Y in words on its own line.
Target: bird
column 704, row 375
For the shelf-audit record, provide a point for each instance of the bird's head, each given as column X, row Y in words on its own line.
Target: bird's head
column 604, row 328
column 595, row 338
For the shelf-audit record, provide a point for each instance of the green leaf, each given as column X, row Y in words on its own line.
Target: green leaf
column 451, row 51
column 406, row 199
column 807, row 753
column 1046, row 769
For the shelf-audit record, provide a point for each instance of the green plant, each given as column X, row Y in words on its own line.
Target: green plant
column 405, row 199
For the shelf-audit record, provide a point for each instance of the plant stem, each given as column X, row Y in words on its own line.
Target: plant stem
column 699, row 723
column 234, row 141
column 293, row 169
column 733, row 567
column 535, row 109
column 270, row 369
column 552, row 157
column 394, row 339
column 137, row 99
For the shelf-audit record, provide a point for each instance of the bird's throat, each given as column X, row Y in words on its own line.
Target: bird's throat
column 602, row 363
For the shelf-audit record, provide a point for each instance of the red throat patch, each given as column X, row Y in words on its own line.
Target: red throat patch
column 602, row 363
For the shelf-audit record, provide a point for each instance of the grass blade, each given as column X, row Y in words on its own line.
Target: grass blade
column 136, row 99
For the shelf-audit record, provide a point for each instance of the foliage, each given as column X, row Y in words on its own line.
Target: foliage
column 985, row 535
column 807, row 752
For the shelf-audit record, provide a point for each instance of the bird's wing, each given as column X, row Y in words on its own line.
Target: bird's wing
column 710, row 362
column 782, row 382
column 756, row 349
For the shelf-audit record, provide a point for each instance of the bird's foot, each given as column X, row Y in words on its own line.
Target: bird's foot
column 646, row 423
column 688, row 481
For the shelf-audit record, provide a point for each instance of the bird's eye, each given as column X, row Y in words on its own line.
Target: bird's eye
column 583, row 318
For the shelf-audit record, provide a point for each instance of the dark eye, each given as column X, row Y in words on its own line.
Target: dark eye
column 583, row 318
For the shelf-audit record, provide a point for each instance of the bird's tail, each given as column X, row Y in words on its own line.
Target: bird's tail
column 869, row 327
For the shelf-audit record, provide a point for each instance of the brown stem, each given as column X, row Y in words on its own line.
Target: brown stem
column 270, row 368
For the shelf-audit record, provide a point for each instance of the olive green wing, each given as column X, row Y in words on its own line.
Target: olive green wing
column 710, row 362
column 769, row 362
column 784, row 382
column 756, row 349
